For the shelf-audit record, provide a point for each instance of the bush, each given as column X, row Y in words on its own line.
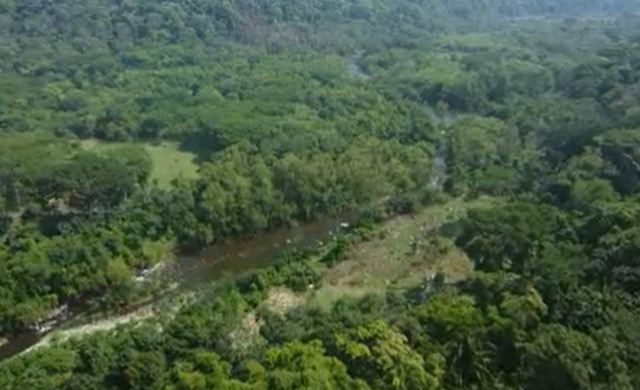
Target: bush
column 301, row 275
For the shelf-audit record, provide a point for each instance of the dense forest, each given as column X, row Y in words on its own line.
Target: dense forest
column 277, row 113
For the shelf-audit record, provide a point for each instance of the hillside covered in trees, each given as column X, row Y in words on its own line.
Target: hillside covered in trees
column 135, row 131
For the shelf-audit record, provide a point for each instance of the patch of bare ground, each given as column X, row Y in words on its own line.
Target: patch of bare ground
column 281, row 301
column 247, row 334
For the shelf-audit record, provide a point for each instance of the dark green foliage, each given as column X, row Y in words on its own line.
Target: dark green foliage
column 87, row 182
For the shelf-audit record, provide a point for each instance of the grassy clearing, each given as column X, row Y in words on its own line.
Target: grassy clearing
column 169, row 162
column 329, row 293
column 400, row 253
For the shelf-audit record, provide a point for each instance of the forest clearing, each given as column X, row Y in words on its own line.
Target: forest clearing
column 168, row 161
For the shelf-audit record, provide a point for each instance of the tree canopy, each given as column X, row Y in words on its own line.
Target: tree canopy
column 277, row 113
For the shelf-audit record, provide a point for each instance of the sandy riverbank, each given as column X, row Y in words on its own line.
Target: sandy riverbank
column 99, row 326
column 149, row 312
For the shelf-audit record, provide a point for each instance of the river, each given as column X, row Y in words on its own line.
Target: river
column 238, row 257
column 234, row 257
column 209, row 264
column 440, row 121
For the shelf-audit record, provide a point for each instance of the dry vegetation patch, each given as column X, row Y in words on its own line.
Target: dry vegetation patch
column 404, row 251
column 279, row 301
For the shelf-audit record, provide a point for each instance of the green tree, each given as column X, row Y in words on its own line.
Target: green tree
column 381, row 356
column 145, row 370
column 302, row 366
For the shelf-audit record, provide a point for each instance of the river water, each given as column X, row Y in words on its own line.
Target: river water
column 234, row 257
column 238, row 257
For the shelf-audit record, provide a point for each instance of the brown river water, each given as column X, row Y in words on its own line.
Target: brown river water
column 211, row 263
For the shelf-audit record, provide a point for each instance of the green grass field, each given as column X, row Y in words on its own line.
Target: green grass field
column 169, row 162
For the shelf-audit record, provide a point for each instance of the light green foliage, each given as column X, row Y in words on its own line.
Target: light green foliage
column 381, row 356
column 54, row 368
column 161, row 163
column 425, row 78
column 145, row 370
column 458, row 321
column 201, row 371
column 483, row 155
column 302, row 366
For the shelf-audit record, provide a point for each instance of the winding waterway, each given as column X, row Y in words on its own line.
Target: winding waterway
column 211, row 263
column 234, row 257
column 441, row 121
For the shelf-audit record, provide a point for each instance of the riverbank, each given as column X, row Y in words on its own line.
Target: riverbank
column 105, row 325
column 166, row 308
